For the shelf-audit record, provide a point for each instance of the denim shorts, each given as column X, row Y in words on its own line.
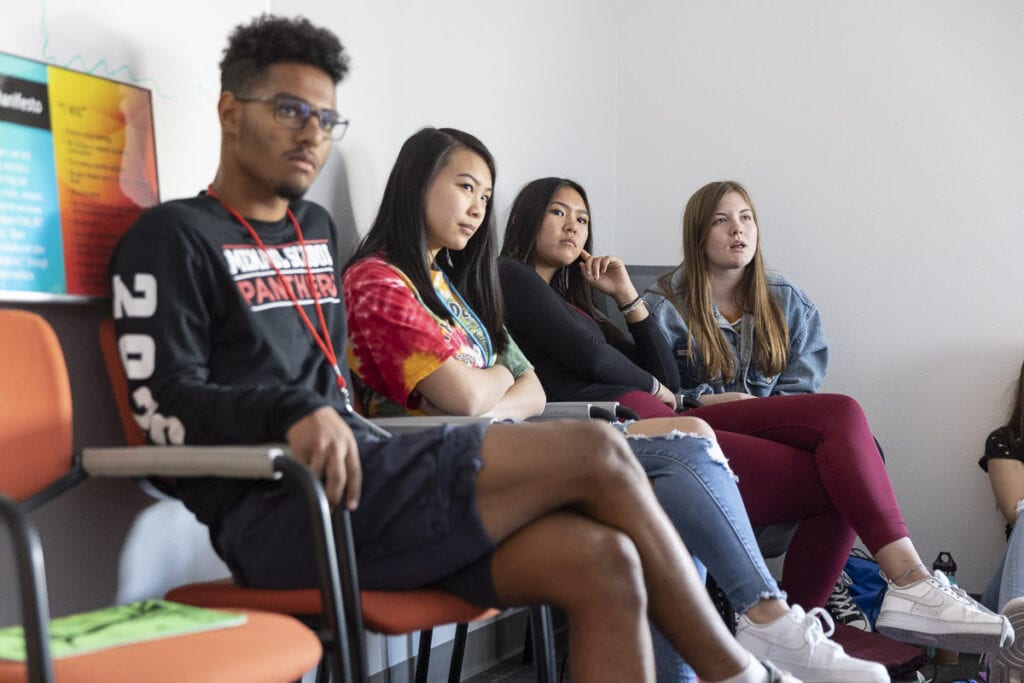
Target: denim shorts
column 417, row 524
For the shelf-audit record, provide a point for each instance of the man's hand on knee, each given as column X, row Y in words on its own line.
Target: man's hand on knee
column 326, row 445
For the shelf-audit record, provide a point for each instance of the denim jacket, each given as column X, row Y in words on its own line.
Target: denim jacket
column 807, row 359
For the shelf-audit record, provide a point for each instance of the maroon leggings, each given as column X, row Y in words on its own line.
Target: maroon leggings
column 820, row 447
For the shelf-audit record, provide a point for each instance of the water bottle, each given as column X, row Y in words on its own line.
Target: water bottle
column 947, row 565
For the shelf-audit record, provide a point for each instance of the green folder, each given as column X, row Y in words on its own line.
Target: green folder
column 121, row 625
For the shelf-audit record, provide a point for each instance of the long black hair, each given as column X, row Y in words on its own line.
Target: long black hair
column 399, row 233
column 524, row 222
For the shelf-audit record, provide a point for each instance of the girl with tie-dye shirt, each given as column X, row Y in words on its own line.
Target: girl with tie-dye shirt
column 425, row 317
column 396, row 341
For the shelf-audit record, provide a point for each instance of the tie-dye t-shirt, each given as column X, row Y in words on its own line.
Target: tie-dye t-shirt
column 395, row 341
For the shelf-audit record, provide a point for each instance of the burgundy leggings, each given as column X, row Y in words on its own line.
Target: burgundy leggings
column 821, row 446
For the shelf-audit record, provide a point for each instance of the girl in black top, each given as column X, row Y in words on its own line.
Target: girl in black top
column 548, row 279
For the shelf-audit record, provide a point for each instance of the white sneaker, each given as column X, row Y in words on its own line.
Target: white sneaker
column 932, row 612
column 796, row 642
column 776, row 676
column 1007, row 665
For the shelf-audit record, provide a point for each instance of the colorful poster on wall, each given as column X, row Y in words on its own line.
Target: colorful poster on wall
column 77, row 167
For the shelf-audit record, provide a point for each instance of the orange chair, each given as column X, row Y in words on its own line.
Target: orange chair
column 38, row 465
column 386, row 612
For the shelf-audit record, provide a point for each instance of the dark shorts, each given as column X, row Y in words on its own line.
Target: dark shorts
column 417, row 524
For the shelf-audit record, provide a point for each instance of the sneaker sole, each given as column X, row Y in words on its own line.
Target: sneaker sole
column 1010, row 660
column 909, row 632
column 823, row 675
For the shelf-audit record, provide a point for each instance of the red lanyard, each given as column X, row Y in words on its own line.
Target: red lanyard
column 324, row 340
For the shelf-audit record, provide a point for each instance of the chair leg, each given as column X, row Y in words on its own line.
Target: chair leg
column 345, row 626
column 35, row 610
column 528, row 642
column 543, row 643
column 323, row 670
column 458, row 653
column 423, row 658
column 351, row 599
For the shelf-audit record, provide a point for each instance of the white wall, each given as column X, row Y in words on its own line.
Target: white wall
column 879, row 140
column 534, row 80
column 882, row 144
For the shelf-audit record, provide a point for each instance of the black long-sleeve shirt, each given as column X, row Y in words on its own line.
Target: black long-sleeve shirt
column 572, row 357
column 214, row 349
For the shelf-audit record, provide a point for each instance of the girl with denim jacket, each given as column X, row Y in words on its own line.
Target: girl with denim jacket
column 807, row 359
column 751, row 347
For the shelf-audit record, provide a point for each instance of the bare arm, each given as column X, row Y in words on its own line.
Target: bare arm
column 1007, row 478
column 457, row 389
column 712, row 399
column 525, row 399
column 470, row 391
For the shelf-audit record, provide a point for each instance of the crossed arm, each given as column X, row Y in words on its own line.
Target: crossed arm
column 457, row 389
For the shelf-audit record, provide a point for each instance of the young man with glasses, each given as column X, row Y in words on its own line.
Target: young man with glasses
column 231, row 325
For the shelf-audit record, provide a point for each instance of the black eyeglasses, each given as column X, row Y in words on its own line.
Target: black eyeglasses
column 295, row 112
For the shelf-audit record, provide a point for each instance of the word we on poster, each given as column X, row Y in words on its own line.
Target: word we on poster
column 77, row 167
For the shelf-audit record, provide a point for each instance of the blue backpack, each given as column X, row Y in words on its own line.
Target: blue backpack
column 868, row 587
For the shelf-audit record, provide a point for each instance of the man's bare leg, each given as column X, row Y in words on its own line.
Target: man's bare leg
column 586, row 467
column 592, row 572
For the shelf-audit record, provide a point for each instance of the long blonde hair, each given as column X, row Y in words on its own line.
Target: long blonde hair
column 692, row 297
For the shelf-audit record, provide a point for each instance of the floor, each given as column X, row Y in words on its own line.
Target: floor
column 967, row 668
column 515, row 671
column 512, row 671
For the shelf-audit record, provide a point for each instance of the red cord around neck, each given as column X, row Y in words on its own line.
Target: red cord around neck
column 322, row 340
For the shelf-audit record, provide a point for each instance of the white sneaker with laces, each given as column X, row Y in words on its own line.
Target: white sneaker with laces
column 1007, row 665
column 932, row 612
column 797, row 643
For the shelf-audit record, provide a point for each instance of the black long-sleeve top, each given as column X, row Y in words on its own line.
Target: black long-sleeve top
column 571, row 355
column 218, row 352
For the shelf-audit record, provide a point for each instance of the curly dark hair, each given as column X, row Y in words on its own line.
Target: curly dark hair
column 270, row 39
